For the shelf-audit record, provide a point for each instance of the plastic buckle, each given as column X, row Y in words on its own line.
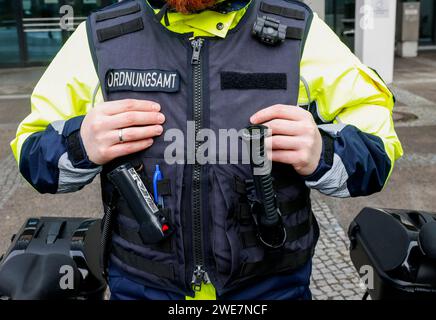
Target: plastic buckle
column 269, row 30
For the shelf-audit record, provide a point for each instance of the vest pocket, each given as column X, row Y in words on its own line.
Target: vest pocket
column 226, row 244
column 164, row 259
column 239, row 255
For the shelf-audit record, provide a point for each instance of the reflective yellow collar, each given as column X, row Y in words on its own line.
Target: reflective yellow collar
column 204, row 24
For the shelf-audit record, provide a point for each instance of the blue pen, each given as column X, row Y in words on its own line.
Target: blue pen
column 157, row 176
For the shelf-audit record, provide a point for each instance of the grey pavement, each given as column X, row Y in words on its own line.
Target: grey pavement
column 411, row 184
column 19, row 82
column 333, row 275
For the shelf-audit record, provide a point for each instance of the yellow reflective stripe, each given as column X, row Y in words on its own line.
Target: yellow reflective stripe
column 207, row 292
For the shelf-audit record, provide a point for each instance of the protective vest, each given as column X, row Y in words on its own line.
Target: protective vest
column 214, row 84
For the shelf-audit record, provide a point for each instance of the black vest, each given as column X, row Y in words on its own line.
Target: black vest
column 219, row 86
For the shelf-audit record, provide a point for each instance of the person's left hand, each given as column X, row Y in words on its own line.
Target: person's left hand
column 295, row 138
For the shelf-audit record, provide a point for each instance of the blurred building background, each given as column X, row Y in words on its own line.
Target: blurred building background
column 30, row 31
column 340, row 15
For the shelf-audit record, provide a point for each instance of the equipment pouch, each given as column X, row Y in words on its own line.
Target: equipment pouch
column 154, row 226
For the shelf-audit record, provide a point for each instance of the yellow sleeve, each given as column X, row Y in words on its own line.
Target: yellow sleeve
column 65, row 90
column 343, row 90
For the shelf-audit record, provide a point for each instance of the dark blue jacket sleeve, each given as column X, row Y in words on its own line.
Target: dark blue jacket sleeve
column 353, row 163
column 55, row 161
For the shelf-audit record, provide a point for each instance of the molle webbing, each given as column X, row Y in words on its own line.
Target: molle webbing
column 282, row 11
column 269, row 25
column 249, row 238
column 243, row 213
column 289, row 262
column 105, row 15
column 121, row 29
column 294, row 33
column 136, row 261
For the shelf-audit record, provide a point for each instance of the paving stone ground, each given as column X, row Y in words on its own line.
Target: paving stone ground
column 333, row 278
column 333, row 275
column 10, row 179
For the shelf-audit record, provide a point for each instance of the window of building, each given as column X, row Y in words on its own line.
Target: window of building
column 9, row 48
column 31, row 31
column 340, row 16
column 427, row 29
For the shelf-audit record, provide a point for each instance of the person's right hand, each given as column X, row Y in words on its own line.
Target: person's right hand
column 140, row 121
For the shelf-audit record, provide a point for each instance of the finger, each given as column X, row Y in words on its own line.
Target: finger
column 135, row 118
column 285, row 156
column 136, row 133
column 279, row 111
column 123, row 149
column 128, row 105
column 284, row 127
column 278, row 142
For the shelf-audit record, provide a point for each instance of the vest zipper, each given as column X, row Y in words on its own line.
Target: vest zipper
column 199, row 275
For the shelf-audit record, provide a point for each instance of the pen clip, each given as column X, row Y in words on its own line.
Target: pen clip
column 157, row 176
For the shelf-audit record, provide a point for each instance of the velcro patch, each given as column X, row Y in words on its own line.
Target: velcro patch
column 247, row 81
column 142, row 80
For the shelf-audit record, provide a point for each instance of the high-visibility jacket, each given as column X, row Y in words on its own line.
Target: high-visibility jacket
column 348, row 101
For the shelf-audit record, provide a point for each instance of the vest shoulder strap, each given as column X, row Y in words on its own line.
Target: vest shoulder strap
column 118, row 11
column 282, row 11
column 112, row 22
column 294, row 9
column 116, row 20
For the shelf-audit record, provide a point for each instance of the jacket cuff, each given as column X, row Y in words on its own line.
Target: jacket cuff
column 326, row 159
column 75, row 148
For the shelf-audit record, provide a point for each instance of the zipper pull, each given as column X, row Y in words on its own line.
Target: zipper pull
column 196, row 44
column 198, row 278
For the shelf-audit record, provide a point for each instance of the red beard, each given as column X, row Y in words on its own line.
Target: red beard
column 190, row 6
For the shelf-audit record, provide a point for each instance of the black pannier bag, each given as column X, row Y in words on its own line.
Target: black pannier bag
column 399, row 246
column 53, row 258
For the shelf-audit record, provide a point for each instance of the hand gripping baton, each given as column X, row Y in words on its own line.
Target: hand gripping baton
column 271, row 231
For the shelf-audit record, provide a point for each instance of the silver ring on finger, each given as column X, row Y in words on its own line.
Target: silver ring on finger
column 120, row 136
